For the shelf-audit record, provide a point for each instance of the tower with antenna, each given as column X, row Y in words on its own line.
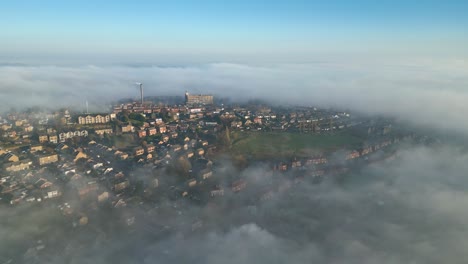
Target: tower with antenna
column 141, row 91
column 87, row 108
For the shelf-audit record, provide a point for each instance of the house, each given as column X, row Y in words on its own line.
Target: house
column 217, row 192
column 10, row 157
column 76, row 177
column 283, row 167
column 87, row 188
column 174, row 135
column 79, row 155
column 128, row 128
column 70, row 134
column 353, row 154
column 17, row 196
column 185, row 146
column 296, row 164
column 103, row 197
column 191, row 182
column 138, row 151
column 43, row 138
column 162, row 129
column 366, row 150
column 121, row 155
column 36, row 148
column 60, row 147
column 103, row 131
column 119, row 175
column 158, row 121
column 176, row 147
column 17, row 166
column 121, row 185
column 11, row 134
column 200, row 152
column 141, row 133
column 93, row 119
column 150, row 148
column 277, row 128
column 206, row 173
column 316, row 161
column 45, row 159
column 53, row 194
column 238, row 185
column 65, row 135
column 236, row 124
column 172, row 127
column 152, row 123
column 152, row 131
column 5, row 127
column 28, row 129
column 43, row 183
column 53, row 139
column 208, row 123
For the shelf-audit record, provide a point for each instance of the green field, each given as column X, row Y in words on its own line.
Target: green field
column 124, row 141
column 264, row 145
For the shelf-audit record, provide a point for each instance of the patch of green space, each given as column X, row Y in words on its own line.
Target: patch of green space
column 124, row 141
column 262, row 145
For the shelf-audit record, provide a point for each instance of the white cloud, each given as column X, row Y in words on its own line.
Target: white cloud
column 431, row 93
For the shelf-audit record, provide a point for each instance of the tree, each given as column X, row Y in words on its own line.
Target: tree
column 224, row 138
column 81, row 164
column 137, row 117
column 182, row 166
column 240, row 161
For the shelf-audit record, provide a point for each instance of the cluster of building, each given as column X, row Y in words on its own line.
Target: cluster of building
column 53, row 146
column 95, row 119
column 166, row 150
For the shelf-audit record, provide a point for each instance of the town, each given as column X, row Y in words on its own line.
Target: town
column 143, row 154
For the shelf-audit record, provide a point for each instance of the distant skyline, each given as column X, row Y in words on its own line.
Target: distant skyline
column 218, row 31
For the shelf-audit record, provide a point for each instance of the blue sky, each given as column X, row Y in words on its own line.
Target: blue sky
column 226, row 30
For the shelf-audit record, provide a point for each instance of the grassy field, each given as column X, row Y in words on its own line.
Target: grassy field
column 282, row 144
column 124, row 141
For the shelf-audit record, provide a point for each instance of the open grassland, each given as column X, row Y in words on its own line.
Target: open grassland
column 263, row 145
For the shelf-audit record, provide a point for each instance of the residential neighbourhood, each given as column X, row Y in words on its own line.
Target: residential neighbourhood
column 159, row 138
column 152, row 153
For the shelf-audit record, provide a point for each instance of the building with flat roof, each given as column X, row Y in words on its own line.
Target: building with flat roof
column 198, row 99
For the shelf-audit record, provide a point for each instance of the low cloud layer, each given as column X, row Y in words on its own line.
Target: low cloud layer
column 428, row 92
column 410, row 210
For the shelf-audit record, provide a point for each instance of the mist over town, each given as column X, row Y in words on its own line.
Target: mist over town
column 237, row 132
